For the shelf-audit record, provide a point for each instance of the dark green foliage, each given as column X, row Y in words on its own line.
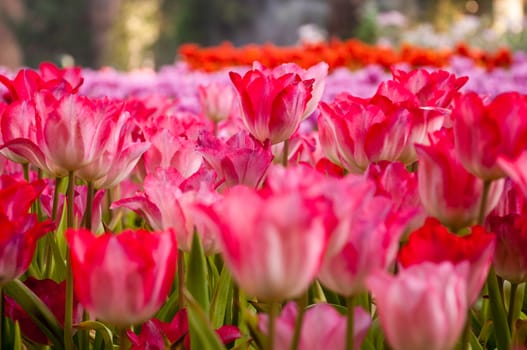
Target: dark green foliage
column 53, row 28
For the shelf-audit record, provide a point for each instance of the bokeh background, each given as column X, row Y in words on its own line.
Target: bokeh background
column 128, row 34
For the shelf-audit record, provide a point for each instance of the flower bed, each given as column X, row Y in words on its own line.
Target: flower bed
column 262, row 207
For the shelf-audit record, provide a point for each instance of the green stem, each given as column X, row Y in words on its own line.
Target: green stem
column 465, row 339
column 70, row 198
column 273, row 313
column 483, row 203
column 235, row 303
column 68, row 312
column 512, row 306
column 123, row 339
column 501, row 328
column 89, row 206
column 301, row 304
column 37, row 310
column 285, row 153
column 181, row 279
column 25, row 169
column 349, row 328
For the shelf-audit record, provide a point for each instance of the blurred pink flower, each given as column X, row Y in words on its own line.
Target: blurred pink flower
column 323, row 327
column 423, row 307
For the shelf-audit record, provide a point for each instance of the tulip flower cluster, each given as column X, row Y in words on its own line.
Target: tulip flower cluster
column 350, row 53
column 262, row 209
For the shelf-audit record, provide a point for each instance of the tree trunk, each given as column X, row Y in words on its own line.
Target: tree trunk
column 11, row 53
column 344, row 17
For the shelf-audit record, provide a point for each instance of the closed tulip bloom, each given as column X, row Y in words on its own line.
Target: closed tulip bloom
column 448, row 191
column 423, row 307
column 323, row 327
column 216, row 100
column 122, row 279
column 272, row 243
column 483, row 133
column 272, row 106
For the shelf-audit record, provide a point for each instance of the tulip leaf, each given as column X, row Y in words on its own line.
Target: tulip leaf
column 220, row 299
column 100, row 328
column 202, row 335
column 197, row 278
column 37, row 310
column 17, row 341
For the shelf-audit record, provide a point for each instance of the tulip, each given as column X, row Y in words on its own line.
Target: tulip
column 272, row 106
column 19, row 230
column 354, row 132
column 241, row 160
column 122, row 279
column 483, row 133
column 434, row 243
column 216, row 100
column 53, row 295
column 372, row 237
column 168, row 203
column 318, row 73
column 323, row 327
column 448, row 191
column 272, row 243
column 423, row 307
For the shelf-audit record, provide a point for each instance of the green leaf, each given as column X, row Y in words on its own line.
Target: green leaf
column 37, row 310
column 17, row 345
column 221, row 301
column 197, row 279
column 100, row 328
column 202, row 335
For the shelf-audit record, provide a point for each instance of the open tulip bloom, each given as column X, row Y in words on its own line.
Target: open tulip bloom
column 261, row 207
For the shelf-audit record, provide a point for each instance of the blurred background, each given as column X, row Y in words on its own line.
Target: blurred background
column 128, row 34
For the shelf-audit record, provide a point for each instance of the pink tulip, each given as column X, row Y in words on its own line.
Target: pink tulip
column 372, row 238
column 169, row 203
column 354, row 132
column 394, row 181
column 216, row 100
column 272, row 106
column 449, row 192
column 434, row 243
column 437, row 88
column 423, row 307
column 19, row 230
column 125, row 278
column 323, row 327
column 17, row 121
column 71, row 133
column 317, row 72
column 483, row 133
column 118, row 156
column 272, row 243
column 241, row 160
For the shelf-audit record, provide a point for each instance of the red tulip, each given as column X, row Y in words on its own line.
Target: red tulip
column 19, row 230
column 125, row 278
